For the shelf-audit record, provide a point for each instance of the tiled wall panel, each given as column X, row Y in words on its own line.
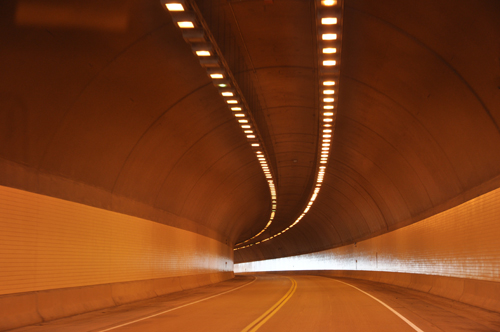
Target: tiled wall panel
column 461, row 242
column 49, row 243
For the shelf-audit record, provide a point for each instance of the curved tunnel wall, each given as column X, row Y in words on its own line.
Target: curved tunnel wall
column 461, row 243
column 61, row 258
column 417, row 125
column 124, row 119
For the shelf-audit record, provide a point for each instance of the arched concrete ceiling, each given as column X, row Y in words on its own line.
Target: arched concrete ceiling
column 107, row 105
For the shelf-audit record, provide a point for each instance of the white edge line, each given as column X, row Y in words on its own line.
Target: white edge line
column 182, row 306
column 416, row 328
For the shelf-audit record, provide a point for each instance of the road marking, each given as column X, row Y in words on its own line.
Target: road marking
column 385, row 305
column 256, row 324
column 182, row 306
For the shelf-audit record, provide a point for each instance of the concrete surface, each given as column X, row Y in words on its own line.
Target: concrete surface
column 317, row 304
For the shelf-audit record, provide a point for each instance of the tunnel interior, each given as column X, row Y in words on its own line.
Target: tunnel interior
column 121, row 163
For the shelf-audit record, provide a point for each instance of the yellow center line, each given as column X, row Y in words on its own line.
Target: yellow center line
column 256, row 324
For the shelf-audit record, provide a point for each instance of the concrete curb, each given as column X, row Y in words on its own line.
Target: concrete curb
column 22, row 309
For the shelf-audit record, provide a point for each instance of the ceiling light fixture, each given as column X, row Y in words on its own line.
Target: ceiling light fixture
column 203, row 53
column 329, row 50
column 329, row 63
column 175, row 7
column 185, row 24
column 329, row 36
column 329, row 20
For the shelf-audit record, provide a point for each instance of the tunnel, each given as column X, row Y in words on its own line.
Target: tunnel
column 244, row 165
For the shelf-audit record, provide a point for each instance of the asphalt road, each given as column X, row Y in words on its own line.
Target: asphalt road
column 267, row 303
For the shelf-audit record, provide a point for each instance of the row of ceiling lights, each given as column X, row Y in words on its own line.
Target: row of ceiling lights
column 187, row 17
column 328, row 27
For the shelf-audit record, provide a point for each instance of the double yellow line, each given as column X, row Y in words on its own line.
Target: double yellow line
column 256, row 324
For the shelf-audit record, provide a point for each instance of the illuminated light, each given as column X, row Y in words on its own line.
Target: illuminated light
column 250, row 136
column 185, row 24
column 232, row 101
column 243, row 121
column 327, row 130
column 306, row 210
column 314, row 197
column 222, row 85
column 255, row 144
column 324, row 155
column 239, row 115
column 328, row 107
column 322, row 162
column 329, row 50
column 329, row 36
column 235, row 108
column 327, row 120
column 322, row 167
column 329, row 20
column 246, row 126
column 328, row 92
column 216, row 76
column 328, row 100
column 325, row 148
column 174, row 7
column 203, row 53
column 327, row 125
column 329, row 62
column 329, row 2
column 262, row 158
column 327, row 135
column 327, row 140
column 329, row 83
column 326, row 144
column 227, row 94
column 328, row 114
column 248, row 131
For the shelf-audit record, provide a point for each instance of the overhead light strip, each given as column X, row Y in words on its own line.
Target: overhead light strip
column 196, row 33
column 328, row 27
